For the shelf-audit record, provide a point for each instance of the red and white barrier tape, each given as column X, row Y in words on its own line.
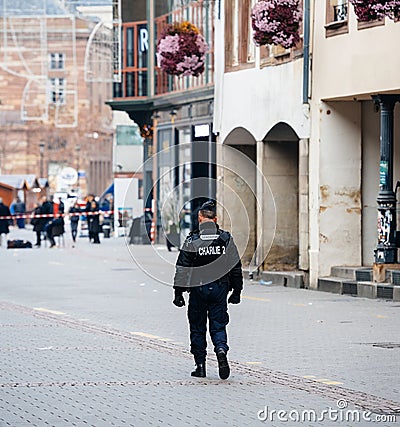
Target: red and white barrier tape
column 152, row 231
column 55, row 215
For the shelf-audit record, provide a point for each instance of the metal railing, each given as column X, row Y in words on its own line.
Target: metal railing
column 201, row 14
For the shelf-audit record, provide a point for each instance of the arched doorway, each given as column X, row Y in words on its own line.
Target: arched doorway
column 281, row 170
column 237, row 160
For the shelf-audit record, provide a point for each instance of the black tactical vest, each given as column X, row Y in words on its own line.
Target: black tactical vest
column 210, row 262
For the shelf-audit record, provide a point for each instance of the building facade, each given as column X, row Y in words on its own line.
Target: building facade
column 261, row 112
column 55, row 81
column 353, row 63
column 172, row 111
column 307, row 117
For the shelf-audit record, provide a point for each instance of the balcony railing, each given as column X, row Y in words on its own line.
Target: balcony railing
column 340, row 12
column 199, row 13
column 134, row 72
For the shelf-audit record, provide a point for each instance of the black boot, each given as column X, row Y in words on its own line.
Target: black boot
column 200, row 370
column 223, row 364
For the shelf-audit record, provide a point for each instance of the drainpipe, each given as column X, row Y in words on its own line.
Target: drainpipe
column 306, row 51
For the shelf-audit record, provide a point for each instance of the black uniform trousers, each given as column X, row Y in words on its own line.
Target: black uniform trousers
column 208, row 301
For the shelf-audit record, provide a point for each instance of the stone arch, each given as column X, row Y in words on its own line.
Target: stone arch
column 280, row 165
column 237, row 161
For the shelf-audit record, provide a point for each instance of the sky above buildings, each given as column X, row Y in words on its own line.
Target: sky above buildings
column 48, row 7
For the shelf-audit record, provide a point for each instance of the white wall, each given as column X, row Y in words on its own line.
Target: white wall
column 126, row 198
column 258, row 99
column 128, row 158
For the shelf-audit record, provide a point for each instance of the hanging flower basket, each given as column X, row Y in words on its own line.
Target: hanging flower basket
column 276, row 22
column 370, row 10
column 181, row 50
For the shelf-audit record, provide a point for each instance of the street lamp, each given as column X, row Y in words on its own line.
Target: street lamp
column 41, row 152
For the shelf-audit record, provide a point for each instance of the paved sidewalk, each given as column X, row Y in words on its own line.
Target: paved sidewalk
column 87, row 337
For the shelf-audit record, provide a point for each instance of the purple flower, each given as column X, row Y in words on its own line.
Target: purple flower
column 192, row 65
column 276, row 22
column 181, row 50
column 169, row 44
column 369, row 10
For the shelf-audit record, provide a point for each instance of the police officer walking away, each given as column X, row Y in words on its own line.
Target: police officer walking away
column 208, row 267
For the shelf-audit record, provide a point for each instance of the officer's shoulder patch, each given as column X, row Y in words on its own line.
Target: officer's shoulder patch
column 209, row 236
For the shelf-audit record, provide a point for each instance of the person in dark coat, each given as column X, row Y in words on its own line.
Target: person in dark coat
column 4, row 222
column 208, row 267
column 35, row 221
column 94, row 222
column 19, row 209
column 45, row 209
column 89, row 200
column 55, row 227
column 74, row 220
column 61, row 206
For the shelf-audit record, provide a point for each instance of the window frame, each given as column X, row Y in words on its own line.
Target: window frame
column 335, row 27
column 57, row 90
column 58, row 59
column 238, row 35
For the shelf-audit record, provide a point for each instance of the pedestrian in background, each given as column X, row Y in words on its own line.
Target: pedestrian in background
column 61, row 206
column 19, row 209
column 46, row 209
column 208, row 267
column 89, row 199
column 35, row 221
column 4, row 222
column 55, row 228
column 74, row 220
column 94, row 221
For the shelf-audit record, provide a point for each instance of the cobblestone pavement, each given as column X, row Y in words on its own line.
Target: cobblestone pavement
column 88, row 338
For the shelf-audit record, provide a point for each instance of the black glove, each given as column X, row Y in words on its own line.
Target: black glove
column 234, row 297
column 179, row 301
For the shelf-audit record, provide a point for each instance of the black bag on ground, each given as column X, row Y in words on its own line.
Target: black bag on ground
column 18, row 244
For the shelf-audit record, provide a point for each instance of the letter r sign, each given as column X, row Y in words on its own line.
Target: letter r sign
column 143, row 39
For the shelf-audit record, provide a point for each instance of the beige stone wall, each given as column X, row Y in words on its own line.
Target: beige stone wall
column 335, row 188
column 355, row 64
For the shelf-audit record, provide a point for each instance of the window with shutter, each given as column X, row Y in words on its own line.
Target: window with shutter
column 336, row 17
